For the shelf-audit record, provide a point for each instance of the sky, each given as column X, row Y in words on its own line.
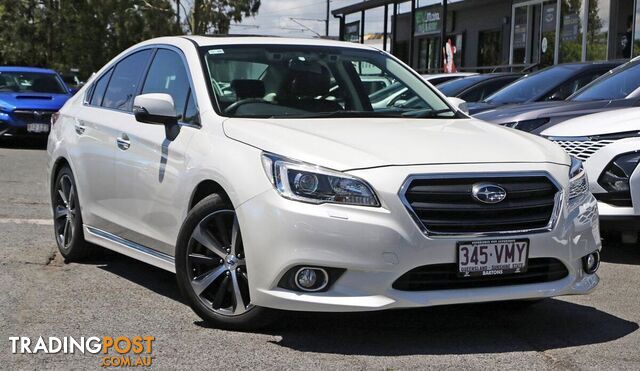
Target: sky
column 274, row 18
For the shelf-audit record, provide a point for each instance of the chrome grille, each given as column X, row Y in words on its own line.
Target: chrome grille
column 444, row 205
column 583, row 149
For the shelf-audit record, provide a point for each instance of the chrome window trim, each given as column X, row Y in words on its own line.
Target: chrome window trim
column 555, row 214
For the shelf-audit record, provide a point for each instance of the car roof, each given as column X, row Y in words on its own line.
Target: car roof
column 25, row 69
column 253, row 40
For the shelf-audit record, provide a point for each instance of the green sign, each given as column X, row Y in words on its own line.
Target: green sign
column 427, row 21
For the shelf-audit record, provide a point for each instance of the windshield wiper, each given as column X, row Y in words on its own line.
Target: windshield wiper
column 429, row 113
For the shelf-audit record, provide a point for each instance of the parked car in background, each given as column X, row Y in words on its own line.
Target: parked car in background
column 618, row 88
column 28, row 98
column 608, row 143
column 477, row 87
column 439, row 78
column 286, row 199
column 553, row 83
column 398, row 95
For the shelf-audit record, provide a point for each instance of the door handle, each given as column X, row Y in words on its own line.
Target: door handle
column 80, row 128
column 123, row 142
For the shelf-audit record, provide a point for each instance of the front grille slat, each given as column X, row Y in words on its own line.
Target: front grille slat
column 445, row 276
column 581, row 148
column 446, row 205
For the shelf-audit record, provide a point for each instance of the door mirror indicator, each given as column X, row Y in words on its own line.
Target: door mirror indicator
column 157, row 109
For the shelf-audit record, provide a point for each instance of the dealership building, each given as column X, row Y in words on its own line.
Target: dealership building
column 487, row 35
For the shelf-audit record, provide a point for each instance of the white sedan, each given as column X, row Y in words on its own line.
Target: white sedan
column 608, row 143
column 275, row 197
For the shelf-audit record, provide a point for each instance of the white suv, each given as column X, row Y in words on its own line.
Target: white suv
column 229, row 162
column 609, row 144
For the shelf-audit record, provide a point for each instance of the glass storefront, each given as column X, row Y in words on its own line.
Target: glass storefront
column 584, row 30
column 598, row 30
column 500, row 34
column 534, row 33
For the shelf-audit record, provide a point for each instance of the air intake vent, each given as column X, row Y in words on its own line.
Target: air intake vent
column 445, row 276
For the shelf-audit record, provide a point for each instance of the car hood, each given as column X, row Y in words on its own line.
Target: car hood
column 530, row 111
column 610, row 122
column 33, row 101
column 347, row 144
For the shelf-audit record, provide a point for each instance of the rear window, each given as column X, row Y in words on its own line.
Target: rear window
column 31, row 82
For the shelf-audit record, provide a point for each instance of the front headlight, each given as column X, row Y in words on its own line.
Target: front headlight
column 309, row 183
column 578, row 181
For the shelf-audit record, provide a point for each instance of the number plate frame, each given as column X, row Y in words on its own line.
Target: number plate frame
column 496, row 272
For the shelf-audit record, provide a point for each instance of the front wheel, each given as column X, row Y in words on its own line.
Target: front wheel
column 211, row 268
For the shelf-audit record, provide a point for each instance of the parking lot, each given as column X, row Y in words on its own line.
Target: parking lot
column 115, row 295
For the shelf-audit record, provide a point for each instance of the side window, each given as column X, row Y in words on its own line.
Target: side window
column 124, row 82
column 99, row 89
column 168, row 75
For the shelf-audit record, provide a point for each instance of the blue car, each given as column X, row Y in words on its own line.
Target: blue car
column 28, row 98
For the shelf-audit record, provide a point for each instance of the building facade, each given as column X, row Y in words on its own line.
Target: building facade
column 487, row 35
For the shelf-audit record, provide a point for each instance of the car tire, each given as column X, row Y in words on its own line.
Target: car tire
column 67, row 219
column 211, row 268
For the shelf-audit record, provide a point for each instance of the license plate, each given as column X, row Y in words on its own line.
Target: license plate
column 38, row 128
column 492, row 257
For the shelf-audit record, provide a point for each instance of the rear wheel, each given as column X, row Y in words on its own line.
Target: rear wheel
column 67, row 219
column 211, row 267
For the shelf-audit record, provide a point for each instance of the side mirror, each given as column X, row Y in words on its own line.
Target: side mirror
column 157, row 109
column 459, row 104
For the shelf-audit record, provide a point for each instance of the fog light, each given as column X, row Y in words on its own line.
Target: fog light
column 311, row 279
column 591, row 262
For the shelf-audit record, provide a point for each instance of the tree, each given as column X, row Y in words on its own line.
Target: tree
column 86, row 34
column 215, row 16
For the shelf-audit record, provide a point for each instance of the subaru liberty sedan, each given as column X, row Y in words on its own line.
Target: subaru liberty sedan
column 282, row 196
column 28, row 98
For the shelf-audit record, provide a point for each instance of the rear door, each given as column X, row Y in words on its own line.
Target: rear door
column 93, row 155
column 100, row 129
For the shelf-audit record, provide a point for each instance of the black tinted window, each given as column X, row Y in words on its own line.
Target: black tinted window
column 168, row 75
column 100, row 88
column 124, row 82
column 617, row 85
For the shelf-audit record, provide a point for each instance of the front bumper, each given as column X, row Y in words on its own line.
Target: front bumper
column 378, row 245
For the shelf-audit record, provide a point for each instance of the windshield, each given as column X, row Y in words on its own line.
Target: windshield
column 293, row 81
column 455, row 87
column 531, row 86
column 31, row 82
column 617, row 85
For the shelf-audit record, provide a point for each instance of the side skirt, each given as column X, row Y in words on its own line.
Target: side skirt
column 130, row 249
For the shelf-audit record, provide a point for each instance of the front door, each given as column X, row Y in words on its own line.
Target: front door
column 150, row 167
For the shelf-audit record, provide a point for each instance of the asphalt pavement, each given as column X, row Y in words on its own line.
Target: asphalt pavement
column 41, row 295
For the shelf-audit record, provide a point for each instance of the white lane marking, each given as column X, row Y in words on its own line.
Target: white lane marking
column 26, row 221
